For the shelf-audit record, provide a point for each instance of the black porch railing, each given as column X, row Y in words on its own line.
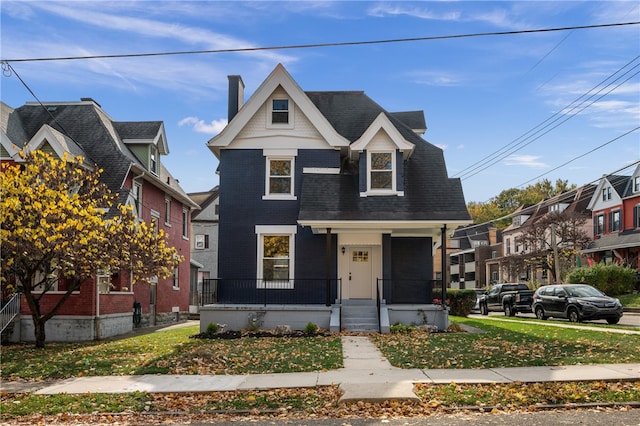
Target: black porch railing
column 268, row 292
column 405, row 291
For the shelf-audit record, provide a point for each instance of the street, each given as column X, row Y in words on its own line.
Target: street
column 629, row 319
column 611, row 417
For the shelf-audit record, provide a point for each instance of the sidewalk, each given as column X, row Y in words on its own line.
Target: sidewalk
column 366, row 376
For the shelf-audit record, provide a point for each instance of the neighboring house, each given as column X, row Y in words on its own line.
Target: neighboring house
column 204, row 242
column 521, row 246
column 130, row 154
column 615, row 208
column 469, row 248
column 326, row 201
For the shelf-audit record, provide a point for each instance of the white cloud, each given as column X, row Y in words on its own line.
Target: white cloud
column 461, row 146
column 383, row 10
column 442, row 146
column 212, row 128
column 436, row 78
column 530, row 161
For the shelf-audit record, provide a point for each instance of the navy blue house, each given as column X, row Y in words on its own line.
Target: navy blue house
column 328, row 204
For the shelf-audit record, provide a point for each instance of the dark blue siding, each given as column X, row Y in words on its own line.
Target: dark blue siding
column 242, row 183
column 411, row 270
column 362, row 172
column 400, row 171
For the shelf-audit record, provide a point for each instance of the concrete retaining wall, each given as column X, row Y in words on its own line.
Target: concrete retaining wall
column 418, row 315
column 78, row 328
column 237, row 317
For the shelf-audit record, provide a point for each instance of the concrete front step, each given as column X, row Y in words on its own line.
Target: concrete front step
column 361, row 316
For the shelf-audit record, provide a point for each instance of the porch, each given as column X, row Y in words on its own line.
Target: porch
column 266, row 304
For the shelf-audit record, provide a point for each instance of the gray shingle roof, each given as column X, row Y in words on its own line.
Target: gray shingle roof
column 429, row 194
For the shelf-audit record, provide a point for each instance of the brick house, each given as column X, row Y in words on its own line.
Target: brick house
column 130, row 154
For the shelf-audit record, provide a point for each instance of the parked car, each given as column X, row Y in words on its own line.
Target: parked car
column 576, row 302
column 510, row 298
column 476, row 307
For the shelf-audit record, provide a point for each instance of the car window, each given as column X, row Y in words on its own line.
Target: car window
column 586, row 291
column 559, row 292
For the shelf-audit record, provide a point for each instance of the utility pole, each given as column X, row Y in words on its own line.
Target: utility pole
column 554, row 247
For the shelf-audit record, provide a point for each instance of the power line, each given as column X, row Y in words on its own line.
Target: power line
column 318, row 45
column 564, row 114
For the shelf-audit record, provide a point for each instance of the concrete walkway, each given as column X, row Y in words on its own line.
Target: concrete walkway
column 366, row 376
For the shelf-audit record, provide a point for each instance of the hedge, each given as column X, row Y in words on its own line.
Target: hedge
column 460, row 301
column 611, row 279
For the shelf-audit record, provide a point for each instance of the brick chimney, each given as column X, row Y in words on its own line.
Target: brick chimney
column 236, row 95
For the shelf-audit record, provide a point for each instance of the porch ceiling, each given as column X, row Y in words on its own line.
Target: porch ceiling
column 396, row 228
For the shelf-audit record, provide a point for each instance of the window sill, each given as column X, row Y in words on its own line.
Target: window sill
column 176, row 288
column 382, row 193
column 279, row 197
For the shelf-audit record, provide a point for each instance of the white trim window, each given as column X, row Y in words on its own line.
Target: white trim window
column 280, row 113
column 137, row 199
column 153, row 160
column 279, row 179
column 155, row 221
column 201, row 242
column 276, row 256
column 167, row 210
column 185, row 223
column 382, row 171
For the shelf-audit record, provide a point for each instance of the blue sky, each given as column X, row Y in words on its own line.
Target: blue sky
column 480, row 95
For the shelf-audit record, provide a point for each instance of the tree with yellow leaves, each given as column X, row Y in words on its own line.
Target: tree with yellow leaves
column 58, row 221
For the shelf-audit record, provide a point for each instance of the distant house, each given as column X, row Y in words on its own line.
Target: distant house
column 329, row 206
column 615, row 208
column 204, row 242
column 520, row 259
column 130, row 153
column 469, row 249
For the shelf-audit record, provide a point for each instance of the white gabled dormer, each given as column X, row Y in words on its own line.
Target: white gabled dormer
column 605, row 196
column 148, row 149
column 381, row 151
column 55, row 143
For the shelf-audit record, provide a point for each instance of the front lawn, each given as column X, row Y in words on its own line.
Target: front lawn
column 630, row 300
column 171, row 352
column 507, row 344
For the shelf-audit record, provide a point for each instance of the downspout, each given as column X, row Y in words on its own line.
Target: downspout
column 443, row 252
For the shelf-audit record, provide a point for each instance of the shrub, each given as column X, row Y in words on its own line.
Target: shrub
column 310, row 329
column 610, row 279
column 212, row 328
column 402, row 328
column 461, row 301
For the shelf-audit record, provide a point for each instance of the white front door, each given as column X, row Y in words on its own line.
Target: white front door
column 360, row 272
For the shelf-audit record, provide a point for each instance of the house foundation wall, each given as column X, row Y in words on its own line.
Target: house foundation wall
column 419, row 315
column 77, row 329
column 238, row 317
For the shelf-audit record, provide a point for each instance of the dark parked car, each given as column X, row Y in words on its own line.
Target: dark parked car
column 512, row 298
column 576, row 302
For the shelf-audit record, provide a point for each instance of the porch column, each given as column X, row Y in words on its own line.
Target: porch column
column 328, row 276
column 444, row 262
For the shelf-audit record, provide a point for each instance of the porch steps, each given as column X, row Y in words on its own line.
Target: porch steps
column 360, row 316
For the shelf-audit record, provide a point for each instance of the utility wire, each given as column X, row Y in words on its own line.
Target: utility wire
column 563, row 114
column 317, row 45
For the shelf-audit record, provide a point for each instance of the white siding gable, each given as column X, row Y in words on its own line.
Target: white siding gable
column 257, row 134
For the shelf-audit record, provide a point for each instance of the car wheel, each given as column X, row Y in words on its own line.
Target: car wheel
column 540, row 313
column 613, row 320
column 508, row 310
column 573, row 315
column 483, row 309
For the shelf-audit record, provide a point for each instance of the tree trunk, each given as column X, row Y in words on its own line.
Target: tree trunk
column 38, row 326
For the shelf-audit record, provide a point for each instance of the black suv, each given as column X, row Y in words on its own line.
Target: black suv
column 577, row 302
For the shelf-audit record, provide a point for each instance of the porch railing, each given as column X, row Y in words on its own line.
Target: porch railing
column 309, row 291
column 9, row 311
column 407, row 291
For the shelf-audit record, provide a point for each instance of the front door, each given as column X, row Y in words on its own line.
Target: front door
column 360, row 272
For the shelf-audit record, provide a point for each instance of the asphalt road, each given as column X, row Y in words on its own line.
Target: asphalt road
column 629, row 319
column 609, row 417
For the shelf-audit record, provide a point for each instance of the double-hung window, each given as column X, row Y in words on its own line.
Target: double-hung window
column 280, row 111
column 615, row 221
column 381, row 171
column 137, row 199
column 279, row 179
column 598, row 224
column 276, row 250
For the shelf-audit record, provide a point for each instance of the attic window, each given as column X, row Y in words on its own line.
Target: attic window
column 636, row 184
column 280, row 111
column 153, row 160
column 606, row 194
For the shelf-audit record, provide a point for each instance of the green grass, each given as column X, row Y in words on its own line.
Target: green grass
column 630, row 300
column 22, row 404
column 171, row 352
column 507, row 344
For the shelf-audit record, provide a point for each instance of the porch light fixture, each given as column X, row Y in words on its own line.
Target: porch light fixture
column 343, row 249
